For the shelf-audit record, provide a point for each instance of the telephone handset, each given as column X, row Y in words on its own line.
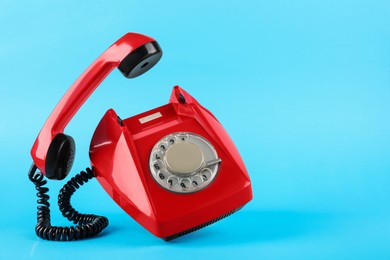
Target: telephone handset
column 174, row 169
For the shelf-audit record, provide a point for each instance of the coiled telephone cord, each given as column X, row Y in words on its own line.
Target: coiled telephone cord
column 87, row 225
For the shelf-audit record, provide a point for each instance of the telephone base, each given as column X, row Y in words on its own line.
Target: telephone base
column 132, row 159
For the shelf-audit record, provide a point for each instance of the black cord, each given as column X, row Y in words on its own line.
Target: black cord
column 88, row 225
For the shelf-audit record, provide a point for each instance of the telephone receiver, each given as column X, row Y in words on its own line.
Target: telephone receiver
column 174, row 169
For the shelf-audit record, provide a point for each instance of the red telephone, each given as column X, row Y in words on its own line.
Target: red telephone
column 174, row 169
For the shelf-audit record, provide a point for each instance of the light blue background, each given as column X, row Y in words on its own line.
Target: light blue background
column 303, row 88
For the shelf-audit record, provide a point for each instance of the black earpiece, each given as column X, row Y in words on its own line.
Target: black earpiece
column 140, row 60
column 60, row 157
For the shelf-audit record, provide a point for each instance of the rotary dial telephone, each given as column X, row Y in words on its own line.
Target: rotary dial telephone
column 174, row 169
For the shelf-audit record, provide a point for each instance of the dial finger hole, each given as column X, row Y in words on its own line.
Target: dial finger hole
column 206, row 174
column 171, row 140
column 157, row 155
column 163, row 146
column 161, row 175
column 196, row 180
column 157, row 165
column 185, row 183
column 183, row 137
column 173, row 181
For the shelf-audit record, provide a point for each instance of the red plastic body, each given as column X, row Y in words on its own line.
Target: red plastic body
column 80, row 90
column 120, row 155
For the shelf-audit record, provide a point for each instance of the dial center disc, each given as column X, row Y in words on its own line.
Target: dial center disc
column 184, row 158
